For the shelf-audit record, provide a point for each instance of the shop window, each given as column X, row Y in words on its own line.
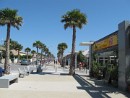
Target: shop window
column 101, row 62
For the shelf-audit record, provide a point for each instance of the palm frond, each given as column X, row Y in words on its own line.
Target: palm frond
column 74, row 18
column 9, row 16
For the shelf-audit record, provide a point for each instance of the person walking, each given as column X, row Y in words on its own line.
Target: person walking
column 56, row 66
column 54, row 62
column 1, row 71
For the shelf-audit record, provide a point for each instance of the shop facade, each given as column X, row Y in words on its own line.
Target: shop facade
column 114, row 49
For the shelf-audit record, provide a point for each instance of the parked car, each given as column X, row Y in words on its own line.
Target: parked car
column 25, row 62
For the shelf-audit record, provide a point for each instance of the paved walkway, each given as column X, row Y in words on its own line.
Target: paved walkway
column 51, row 84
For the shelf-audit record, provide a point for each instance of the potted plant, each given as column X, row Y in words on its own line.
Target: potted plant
column 114, row 76
column 96, row 70
column 128, row 81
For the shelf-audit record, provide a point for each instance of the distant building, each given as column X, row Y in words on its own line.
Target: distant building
column 16, row 52
column 67, row 57
column 86, row 52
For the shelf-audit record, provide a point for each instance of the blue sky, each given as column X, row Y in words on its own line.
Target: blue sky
column 42, row 21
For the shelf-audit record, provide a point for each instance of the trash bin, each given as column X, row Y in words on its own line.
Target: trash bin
column 39, row 69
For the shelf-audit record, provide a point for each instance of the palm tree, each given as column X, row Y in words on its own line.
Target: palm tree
column 37, row 45
column 33, row 52
column 9, row 18
column 46, row 50
column 61, row 48
column 27, row 50
column 42, row 47
column 73, row 19
column 18, row 47
column 13, row 44
column 59, row 55
column 49, row 56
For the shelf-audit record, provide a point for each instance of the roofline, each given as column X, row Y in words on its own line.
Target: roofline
column 86, row 43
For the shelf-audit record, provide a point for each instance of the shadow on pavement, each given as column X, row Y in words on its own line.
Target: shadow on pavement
column 64, row 74
column 98, row 89
column 43, row 73
column 50, row 73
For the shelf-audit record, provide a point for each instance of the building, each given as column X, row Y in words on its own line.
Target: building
column 67, row 57
column 14, row 52
column 115, row 48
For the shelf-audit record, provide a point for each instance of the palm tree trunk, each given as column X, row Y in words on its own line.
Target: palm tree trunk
column 72, row 64
column 18, row 57
column 59, row 59
column 6, row 67
column 37, row 57
column 41, row 57
column 27, row 56
column 62, row 59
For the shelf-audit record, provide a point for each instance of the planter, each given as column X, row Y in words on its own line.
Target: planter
column 39, row 69
column 128, row 81
column 99, row 77
column 114, row 83
column 128, row 88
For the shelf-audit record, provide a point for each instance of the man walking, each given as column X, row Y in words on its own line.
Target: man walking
column 55, row 65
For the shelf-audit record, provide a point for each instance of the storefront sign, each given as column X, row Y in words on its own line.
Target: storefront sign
column 105, row 43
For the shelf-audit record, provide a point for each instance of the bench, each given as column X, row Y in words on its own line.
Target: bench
column 25, row 71
column 28, row 70
column 6, row 80
column 22, row 73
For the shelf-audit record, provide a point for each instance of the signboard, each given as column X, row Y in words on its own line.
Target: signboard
column 105, row 43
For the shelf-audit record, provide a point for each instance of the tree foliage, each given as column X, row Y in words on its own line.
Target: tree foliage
column 80, row 57
column 9, row 18
column 73, row 19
